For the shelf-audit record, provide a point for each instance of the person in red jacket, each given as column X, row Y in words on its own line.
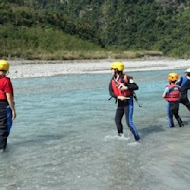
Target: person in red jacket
column 122, row 88
column 7, row 108
column 172, row 94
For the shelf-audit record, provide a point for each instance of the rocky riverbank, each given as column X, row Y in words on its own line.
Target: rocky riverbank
column 24, row 69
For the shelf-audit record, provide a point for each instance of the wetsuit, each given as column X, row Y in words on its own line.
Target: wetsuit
column 184, row 83
column 125, row 108
column 173, row 94
column 5, row 111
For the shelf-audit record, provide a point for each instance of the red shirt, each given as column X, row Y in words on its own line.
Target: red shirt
column 5, row 87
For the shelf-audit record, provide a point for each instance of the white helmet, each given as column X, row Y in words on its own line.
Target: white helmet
column 188, row 70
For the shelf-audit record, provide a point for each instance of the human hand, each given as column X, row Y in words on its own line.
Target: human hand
column 123, row 88
column 120, row 85
column 13, row 114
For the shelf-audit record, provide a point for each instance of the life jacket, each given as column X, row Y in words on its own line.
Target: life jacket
column 174, row 93
column 124, row 79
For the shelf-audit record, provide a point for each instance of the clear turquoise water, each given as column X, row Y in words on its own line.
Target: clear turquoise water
column 64, row 137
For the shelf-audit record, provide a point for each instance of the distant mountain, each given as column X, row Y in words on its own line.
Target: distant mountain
column 110, row 24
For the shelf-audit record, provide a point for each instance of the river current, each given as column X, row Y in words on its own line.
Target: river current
column 64, row 137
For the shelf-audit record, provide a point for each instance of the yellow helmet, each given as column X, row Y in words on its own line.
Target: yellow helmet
column 173, row 77
column 113, row 65
column 120, row 66
column 4, row 65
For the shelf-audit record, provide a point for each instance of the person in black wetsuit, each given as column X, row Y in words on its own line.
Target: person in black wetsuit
column 184, row 83
column 121, row 88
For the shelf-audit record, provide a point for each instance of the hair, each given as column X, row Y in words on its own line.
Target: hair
column 188, row 74
column 172, row 81
column 4, row 72
column 120, row 73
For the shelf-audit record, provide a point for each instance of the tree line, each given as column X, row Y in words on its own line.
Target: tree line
column 116, row 25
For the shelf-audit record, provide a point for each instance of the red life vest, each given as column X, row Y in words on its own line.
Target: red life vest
column 174, row 93
column 115, row 86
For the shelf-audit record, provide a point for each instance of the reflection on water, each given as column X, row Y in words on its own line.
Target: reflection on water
column 65, row 138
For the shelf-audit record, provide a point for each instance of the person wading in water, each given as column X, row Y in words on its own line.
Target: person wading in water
column 121, row 88
column 184, row 83
column 7, row 108
column 172, row 94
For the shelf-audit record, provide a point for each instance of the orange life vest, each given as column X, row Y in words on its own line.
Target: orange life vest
column 124, row 79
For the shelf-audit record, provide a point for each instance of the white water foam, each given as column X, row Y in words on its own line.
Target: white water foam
column 116, row 137
column 134, row 143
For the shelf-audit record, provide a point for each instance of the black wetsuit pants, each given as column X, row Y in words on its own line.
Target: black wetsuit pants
column 126, row 108
column 4, row 123
column 185, row 101
column 172, row 110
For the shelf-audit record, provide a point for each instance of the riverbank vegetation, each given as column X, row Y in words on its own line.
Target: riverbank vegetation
column 94, row 29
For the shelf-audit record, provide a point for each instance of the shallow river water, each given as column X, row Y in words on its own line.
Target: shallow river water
column 64, row 137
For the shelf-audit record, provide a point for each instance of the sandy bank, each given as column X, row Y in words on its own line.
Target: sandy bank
column 24, row 69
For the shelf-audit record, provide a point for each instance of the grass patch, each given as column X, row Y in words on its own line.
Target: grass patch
column 87, row 55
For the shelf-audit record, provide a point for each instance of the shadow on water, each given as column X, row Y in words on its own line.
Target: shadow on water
column 151, row 129
column 186, row 120
column 39, row 140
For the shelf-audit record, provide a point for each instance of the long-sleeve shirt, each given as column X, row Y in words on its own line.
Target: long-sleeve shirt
column 184, row 83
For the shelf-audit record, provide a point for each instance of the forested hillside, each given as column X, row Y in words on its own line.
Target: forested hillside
column 69, row 29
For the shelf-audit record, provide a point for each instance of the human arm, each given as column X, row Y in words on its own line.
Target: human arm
column 131, row 85
column 165, row 92
column 8, row 90
column 11, row 104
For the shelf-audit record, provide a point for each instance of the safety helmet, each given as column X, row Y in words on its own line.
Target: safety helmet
column 113, row 65
column 188, row 70
column 173, row 77
column 120, row 66
column 4, row 65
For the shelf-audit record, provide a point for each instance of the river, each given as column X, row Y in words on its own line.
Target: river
column 64, row 137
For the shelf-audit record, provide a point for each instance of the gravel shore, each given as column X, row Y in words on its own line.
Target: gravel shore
column 24, row 69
